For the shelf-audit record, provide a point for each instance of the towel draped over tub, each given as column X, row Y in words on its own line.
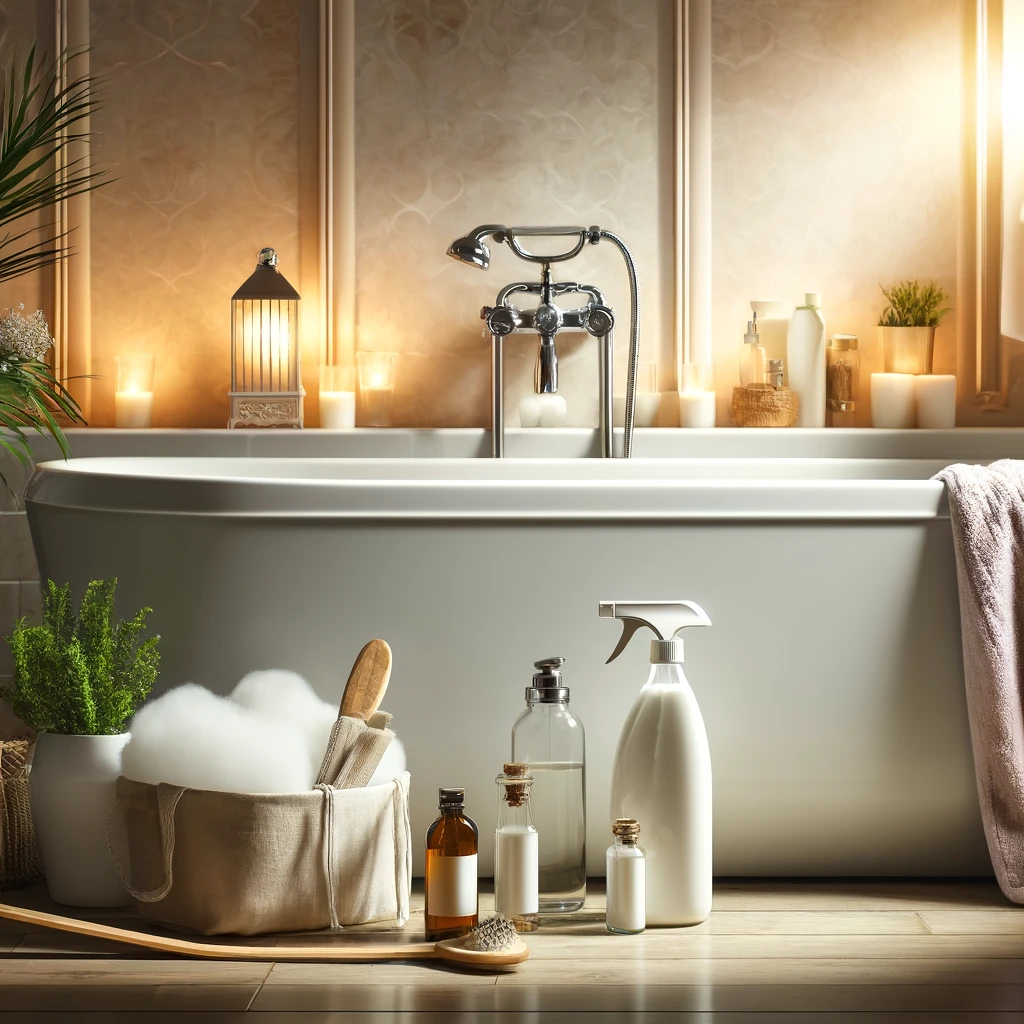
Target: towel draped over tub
column 987, row 507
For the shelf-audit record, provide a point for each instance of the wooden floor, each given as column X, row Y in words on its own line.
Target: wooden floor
column 809, row 951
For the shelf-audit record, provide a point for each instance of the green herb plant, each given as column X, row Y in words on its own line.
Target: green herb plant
column 911, row 304
column 84, row 674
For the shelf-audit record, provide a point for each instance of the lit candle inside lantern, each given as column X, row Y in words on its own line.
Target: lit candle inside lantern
column 892, row 400
column 935, row 395
column 133, row 399
column 697, row 398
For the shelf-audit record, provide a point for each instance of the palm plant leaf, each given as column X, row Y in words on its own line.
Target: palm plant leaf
column 44, row 111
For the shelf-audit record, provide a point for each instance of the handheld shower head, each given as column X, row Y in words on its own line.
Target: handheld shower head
column 472, row 250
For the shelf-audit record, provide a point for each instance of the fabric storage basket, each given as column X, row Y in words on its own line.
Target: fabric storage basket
column 19, row 857
column 233, row 863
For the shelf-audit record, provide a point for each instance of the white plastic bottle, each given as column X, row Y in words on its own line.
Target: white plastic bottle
column 662, row 769
column 805, row 360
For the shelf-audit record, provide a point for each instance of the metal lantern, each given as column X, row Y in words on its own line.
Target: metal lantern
column 266, row 386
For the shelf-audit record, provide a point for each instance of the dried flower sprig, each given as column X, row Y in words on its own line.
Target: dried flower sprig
column 31, row 397
column 24, row 337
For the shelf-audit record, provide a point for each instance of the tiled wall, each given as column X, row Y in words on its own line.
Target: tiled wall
column 19, row 596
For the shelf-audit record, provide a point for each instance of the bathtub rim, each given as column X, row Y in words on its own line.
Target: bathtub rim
column 596, row 495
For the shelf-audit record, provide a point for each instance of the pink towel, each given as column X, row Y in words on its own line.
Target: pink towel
column 987, row 505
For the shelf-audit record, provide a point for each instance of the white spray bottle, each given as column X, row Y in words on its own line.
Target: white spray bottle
column 662, row 770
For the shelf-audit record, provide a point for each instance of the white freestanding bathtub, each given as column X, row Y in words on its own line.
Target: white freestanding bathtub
column 831, row 682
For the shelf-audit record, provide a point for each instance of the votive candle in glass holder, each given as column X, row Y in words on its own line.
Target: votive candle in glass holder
column 892, row 401
column 647, row 402
column 697, row 396
column 935, row 398
column 133, row 399
column 376, row 388
column 337, row 397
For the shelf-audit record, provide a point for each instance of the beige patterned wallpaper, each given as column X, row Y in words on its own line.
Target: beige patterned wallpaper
column 201, row 126
column 836, row 161
column 471, row 112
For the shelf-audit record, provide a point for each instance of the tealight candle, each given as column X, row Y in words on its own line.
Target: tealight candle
column 647, row 400
column 376, row 387
column 133, row 399
column 935, row 395
column 697, row 398
column 337, row 398
column 892, row 400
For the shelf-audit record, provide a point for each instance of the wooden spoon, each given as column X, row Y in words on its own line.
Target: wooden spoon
column 368, row 681
column 449, row 949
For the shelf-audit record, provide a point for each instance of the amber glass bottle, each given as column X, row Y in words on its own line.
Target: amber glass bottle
column 452, row 841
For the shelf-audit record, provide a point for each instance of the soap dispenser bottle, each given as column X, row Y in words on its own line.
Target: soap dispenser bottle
column 661, row 774
column 805, row 360
column 549, row 738
column 753, row 362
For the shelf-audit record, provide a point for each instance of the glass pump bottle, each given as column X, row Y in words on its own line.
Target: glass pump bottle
column 451, row 906
column 515, row 850
column 753, row 363
column 549, row 738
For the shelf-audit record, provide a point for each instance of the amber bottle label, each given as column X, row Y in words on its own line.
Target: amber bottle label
column 452, row 886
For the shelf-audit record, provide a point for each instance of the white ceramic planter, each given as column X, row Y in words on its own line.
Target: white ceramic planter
column 72, row 792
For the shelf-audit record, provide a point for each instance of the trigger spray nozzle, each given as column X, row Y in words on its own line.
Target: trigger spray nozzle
column 665, row 619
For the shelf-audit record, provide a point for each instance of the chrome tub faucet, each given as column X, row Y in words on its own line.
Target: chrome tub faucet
column 548, row 319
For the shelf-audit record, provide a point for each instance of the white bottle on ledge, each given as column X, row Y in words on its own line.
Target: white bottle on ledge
column 805, row 360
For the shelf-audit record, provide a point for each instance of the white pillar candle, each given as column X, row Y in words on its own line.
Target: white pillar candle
column 645, row 409
column 892, row 400
column 133, row 409
column 935, row 395
column 697, row 409
column 542, row 411
column 337, row 410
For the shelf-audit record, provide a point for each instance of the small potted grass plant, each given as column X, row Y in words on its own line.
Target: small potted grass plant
column 77, row 681
column 906, row 326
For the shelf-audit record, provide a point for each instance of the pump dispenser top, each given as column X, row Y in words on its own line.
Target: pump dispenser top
column 665, row 619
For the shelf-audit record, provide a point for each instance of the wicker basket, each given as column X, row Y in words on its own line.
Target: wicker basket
column 19, row 858
column 764, row 405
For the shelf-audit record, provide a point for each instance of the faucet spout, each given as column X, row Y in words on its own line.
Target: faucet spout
column 545, row 372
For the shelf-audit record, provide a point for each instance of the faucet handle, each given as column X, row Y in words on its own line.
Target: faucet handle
column 501, row 320
column 600, row 320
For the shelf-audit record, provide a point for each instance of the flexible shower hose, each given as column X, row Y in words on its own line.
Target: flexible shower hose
column 634, row 341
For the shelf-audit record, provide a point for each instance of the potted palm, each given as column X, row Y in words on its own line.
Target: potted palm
column 45, row 108
column 77, row 680
column 906, row 326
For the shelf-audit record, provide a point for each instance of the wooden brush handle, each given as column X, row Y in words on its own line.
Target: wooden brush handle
column 368, row 681
column 338, row 953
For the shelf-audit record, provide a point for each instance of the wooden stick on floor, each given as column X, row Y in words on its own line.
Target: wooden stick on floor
column 219, row 951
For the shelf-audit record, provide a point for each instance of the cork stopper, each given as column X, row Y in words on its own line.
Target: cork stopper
column 515, row 792
column 627, row 829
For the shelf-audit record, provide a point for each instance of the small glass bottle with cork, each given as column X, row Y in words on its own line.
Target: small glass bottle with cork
column 516, row 850
column 451, row 904
column 626, row 880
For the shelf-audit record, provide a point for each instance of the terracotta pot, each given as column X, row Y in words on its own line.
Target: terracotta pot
column 72, row 791
column 907, row 349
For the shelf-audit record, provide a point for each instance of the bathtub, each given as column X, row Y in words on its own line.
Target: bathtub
column 831, row 681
